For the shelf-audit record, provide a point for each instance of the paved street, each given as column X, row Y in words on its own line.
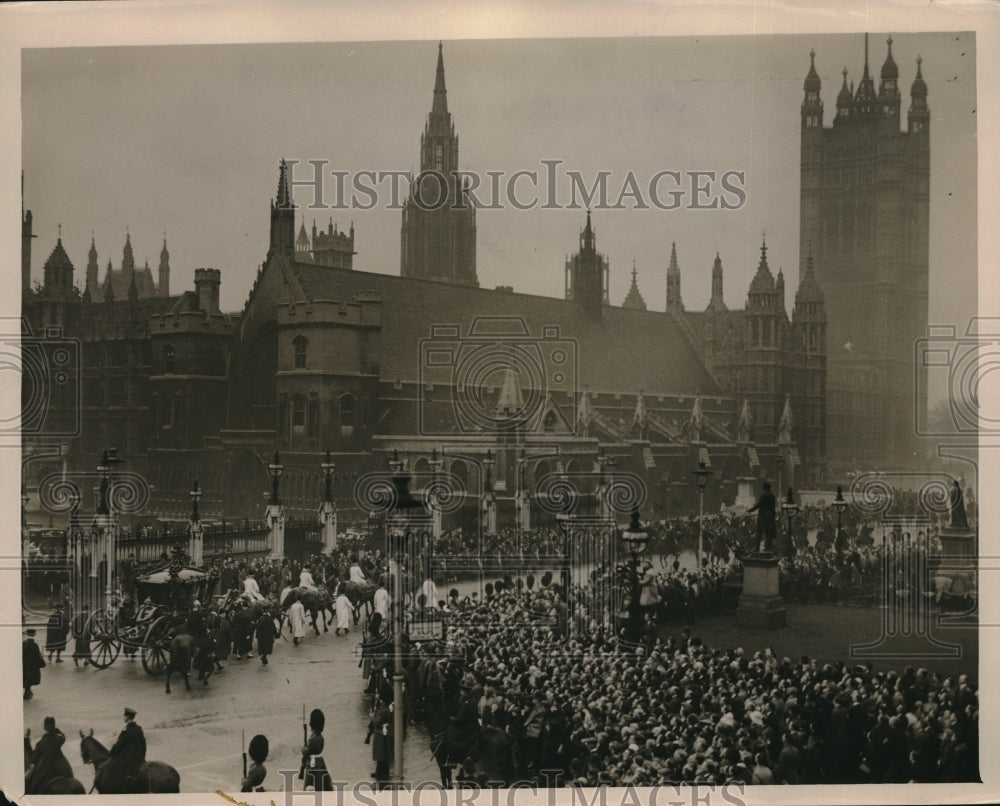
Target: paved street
column 198, row 732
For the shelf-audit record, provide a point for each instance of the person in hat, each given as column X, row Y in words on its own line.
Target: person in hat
column 128, row 753
column 258, row 750
column 81, row 638
column 47, row 761
column 380, row 737
column 313, row 768
column 55, row 633
column 32, row 664
column 266, row 633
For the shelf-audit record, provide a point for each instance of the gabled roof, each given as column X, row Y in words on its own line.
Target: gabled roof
column 621, row 351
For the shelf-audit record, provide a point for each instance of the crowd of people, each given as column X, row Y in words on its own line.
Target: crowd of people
column 674, row 710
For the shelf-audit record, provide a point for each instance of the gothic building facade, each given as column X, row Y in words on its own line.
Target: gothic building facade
column 506, row 390
column 865, row 207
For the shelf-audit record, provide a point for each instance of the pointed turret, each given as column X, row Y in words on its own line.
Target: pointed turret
column 812, row 106
column 440, row 104
column 674, row 301
column 128, row 258
column 302, row 244
column 633, row 299
column 587, row 274
column 919, row 116
column 109, row 292
column 58, row 272
column 717, row 303
column 890, row 72
column 763, row 280
column 845, row 101
column 163, row 288
column 779, row 287
column 90, row 286
column 888, row 92
column 283, row 217
column 864, row 101
column 510, row 403
column 809, row 290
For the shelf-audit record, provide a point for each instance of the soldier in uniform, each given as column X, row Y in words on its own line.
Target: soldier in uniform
column 255, row 776
column 128, row 754
column 313, row 769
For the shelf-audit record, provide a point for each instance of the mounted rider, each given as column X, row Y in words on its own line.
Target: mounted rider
column 251, row 590
column 128, row 753
column 306, row 579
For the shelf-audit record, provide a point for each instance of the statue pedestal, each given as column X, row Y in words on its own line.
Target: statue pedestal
column 745, row 493
column 761, row 605
column 958, row 545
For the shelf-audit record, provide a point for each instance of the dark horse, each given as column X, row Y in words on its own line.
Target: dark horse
column 187, row 652
column 154, row 776
column 316, row 602
column 58, row 785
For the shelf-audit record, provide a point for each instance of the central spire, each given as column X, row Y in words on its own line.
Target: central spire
column 440, row 106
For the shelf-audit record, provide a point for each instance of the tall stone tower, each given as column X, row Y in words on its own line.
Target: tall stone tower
column 587, row 274
column 438, row 236
column 865, row 189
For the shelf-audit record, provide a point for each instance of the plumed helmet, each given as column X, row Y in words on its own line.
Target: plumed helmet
column 316, row 720
column 259, row 748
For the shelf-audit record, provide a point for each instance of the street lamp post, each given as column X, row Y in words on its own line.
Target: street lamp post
column 489, row 499
column 606, row 465
column 839, row 504
column 436, row 464
column 635, row 539
column 703, row 473
column 197, row 531
column 789, row 507
column 275, row 515
column 400, row 528
column 327, row 510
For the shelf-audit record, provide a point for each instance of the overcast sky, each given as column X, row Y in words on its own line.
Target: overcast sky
column 186, row 139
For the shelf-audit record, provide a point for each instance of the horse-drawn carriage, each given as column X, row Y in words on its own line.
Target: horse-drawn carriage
column 165, row 601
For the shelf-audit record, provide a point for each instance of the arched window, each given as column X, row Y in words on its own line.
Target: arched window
column 549, row 423
column 168, row 358
column 301, row 346
column 298, row 414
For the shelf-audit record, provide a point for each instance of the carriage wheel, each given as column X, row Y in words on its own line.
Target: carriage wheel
column 104, row 641
column 156, row 647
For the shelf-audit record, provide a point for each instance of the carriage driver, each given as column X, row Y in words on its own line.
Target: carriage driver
column 128, row 754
